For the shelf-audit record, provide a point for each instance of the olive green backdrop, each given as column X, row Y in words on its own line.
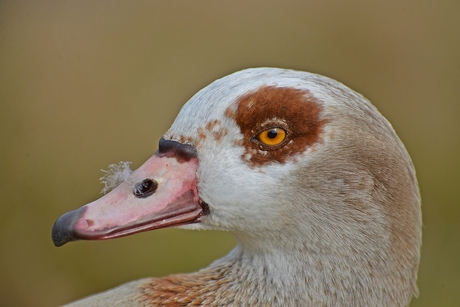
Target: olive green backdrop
column 87, row 83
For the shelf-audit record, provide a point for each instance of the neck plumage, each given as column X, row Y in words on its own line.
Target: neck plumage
column 243, row 278
column 246, row 278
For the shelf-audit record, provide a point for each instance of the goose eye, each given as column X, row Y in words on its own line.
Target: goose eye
column 272, row 137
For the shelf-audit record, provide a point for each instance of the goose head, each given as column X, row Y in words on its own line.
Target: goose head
column 305, row 173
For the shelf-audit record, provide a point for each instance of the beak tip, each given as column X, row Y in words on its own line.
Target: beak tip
column 63, row 229
column 58, row 242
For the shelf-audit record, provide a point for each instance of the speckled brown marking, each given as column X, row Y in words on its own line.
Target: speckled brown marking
column 218, row 135
column 211, row 124
column 215, row 129
column 201, row 134
column 296, row 111
column 185, row 140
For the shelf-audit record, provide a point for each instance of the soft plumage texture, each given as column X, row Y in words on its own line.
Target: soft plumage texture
column 116, row 174
column 337, row 223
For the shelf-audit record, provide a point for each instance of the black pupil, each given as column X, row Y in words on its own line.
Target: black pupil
column 272, row 133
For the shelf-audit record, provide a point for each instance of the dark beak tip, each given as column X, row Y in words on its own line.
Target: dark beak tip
column 60, row 236
column 58, row 242
column 63, row 229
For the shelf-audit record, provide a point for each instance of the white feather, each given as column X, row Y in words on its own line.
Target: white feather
column 116, row 174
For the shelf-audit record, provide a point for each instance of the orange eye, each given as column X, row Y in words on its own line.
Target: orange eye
column 272, row 137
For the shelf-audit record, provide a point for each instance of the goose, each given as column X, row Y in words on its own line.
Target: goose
column 312, row 181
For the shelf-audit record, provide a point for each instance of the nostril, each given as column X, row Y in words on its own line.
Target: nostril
column 145, row 188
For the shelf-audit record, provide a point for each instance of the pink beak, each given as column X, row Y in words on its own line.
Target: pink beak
column 161, row 193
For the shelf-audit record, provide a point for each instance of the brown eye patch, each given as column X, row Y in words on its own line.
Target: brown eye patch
column 296, row 111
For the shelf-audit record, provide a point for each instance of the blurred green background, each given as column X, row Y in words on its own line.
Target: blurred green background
column 87, row 83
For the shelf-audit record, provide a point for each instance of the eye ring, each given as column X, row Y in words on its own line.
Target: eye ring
column 272, row 136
